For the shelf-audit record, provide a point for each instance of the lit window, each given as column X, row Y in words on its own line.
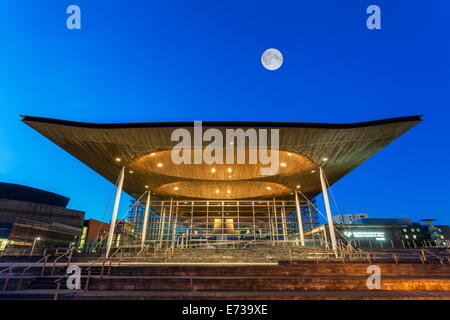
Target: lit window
column 406, row 237
column 404, row 230
column 412, row 229
column 441, row 236
column 414, row 236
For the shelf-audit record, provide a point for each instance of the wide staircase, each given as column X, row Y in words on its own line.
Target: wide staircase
column 282, row 274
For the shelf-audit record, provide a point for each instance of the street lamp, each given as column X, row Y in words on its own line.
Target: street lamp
column 34, row 244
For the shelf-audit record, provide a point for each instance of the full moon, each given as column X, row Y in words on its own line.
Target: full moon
column 272, row 59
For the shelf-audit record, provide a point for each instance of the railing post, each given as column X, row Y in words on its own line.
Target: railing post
column 20, row 280
column 70, row 257
column 420, row 257
column 5, row 285
column 58, row 287
column 103, row 267
column 395, row 258
column 109, row 269
column 424, row 257
column 53, row 267
column 44, row 265
column 87, row 281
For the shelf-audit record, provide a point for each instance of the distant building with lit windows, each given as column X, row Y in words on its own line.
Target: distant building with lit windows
column 393, row 234
column 349, row 218
column 27, row 214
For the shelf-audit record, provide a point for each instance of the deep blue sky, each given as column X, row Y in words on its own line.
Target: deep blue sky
column 138, row 61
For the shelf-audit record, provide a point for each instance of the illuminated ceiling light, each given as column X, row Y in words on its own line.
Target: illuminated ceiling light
column 176, row 188
column 213, row 170
column 131, row 171
column 325, row 159
column 297, row 186
column 231, row 143
column 217, row 191
column 269, row 188
column 283, row 164
column 118, row 159
column 228, row 191
column 313, row 171
column 159, row 165
column 146, row 187
column 152, row 154
column 230, row 170
column 289, row 154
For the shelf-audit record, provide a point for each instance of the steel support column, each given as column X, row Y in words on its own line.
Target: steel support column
column 115, row 210
column 145, row 223
column 300, row 221
column 328, row 209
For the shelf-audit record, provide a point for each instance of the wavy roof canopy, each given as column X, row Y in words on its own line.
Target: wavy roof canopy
column 144, row 148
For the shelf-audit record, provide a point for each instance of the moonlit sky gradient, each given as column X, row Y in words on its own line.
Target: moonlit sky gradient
column 139, row 61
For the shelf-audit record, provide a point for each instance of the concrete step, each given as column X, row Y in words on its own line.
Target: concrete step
column 227, row 295
column 324, row 269
column 264, row 283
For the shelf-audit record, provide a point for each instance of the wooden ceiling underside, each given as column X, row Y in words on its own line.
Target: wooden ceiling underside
column 99, row 145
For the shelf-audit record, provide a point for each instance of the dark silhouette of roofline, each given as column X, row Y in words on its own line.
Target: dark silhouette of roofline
column 222, row 123
column 17, row 192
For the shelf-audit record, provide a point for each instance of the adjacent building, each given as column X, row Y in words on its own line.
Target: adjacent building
column 349, row 218
column 28, row 215
column 386, row 233
column 94, row 234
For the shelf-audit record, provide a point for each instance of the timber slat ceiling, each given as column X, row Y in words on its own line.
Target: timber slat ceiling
column 98, row 145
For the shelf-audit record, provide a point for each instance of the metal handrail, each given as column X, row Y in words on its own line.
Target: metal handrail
column 168, row 253
column 63, row 255
column 398, row 255
column 248, row 243
column 10, row 267
column 39, row 261
column 114, row 253
column 143, row 250
column 24, row 271
column 435, row 255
